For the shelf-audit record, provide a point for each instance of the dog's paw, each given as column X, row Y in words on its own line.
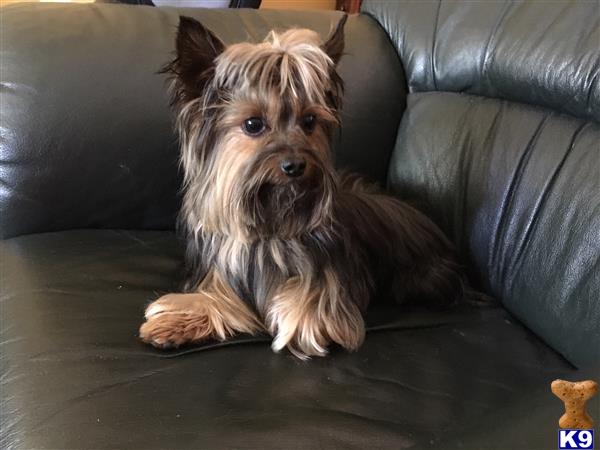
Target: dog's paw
column 302, row 341
column 310, row 335
column 175, row 320
column 175, row 303
column 308, row 340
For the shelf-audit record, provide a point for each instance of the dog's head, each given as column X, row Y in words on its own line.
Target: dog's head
column 255, row 124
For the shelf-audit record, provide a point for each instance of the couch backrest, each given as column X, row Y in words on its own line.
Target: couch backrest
column 501, row 143
column 86, row 132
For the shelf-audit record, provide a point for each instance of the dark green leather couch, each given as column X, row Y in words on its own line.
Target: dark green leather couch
column 484, row 114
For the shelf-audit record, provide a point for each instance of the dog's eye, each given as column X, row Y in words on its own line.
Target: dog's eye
column 309, row 122
column 254, row 126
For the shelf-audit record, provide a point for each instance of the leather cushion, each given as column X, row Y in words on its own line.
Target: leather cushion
column 86, row 139
column 74, row 374
column 543, row 53
column 517, row 188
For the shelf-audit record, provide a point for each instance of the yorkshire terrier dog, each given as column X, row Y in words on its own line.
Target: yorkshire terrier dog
column 277, row 240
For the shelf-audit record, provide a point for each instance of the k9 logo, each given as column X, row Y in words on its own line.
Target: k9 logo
column 568, row 439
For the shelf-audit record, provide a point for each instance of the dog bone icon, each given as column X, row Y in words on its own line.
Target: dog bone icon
column 575, row 395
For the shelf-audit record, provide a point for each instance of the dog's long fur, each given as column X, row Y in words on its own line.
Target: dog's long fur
column 300, row 258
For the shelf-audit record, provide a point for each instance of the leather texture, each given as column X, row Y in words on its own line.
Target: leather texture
column 80, row 89
column 76, row 376
column 505, row 159
column 543, row 53
column 517, row 188
column 500, row 143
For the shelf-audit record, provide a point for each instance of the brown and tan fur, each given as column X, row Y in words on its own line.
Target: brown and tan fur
column 277, row 240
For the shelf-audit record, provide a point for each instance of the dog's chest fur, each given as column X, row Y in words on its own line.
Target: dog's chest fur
column 257, row 269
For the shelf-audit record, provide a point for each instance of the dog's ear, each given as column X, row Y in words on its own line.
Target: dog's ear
column 197, row 48
column 334, row 46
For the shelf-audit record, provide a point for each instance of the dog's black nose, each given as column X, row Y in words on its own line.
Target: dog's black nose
column 293, row 167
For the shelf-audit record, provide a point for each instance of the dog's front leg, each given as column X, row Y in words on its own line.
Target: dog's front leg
column 308, row 315
column 214, row 312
